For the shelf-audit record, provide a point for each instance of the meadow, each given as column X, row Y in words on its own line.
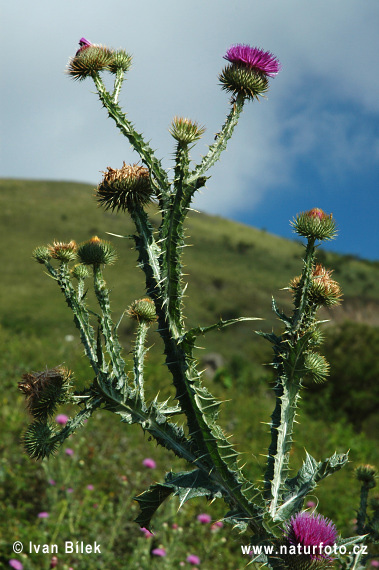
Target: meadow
column 86, row 493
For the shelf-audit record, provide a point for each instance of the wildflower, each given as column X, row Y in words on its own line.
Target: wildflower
column 61, row 419
column 70, row 490
column 311, row 534
column 248, row 71
column 15, row 564
column 53, row 562
column 311, row 504
column 262, row 61
column 69, row 451
column 216, row 526
column 158, row 552
column 146, row 532
column 193, row 559
column 43, row 515
column 90, row 487
column 65, row 252
column 375, row 563
column 51, row 482
column 149, row 463
column 89, row 60
column 204, row 518
column 83, row 43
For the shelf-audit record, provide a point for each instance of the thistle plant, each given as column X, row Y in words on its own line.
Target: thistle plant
column 189, row 426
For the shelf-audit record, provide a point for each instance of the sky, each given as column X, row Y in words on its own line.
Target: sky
column 313, row 142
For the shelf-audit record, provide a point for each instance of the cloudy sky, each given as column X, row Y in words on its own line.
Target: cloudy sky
column 312, row 142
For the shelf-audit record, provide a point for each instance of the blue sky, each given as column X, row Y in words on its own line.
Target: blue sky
column 312, row 143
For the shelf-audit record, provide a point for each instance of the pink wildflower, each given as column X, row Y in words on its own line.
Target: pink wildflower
column 69, row 451
column 254, row 58
column 43, row 515
column 149, row 463
column 61, row 419
column 309, row 530
column 193, row 559
column 146, row 532
column 158, row 552
column 15, row 564
column 90, row 487
column 204, row 518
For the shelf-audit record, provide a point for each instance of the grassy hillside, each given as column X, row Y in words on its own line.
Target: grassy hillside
column 233, row 270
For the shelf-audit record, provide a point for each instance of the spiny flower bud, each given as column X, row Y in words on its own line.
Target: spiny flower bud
column 125, row 188
column 80, row 272
column 46, row 390
column 248, row 70
column 42, row 254
column 366, row 474
column 186, row 131
column 89, row 60
column 121, row 61
column 63, row 251
column 315, row 224
column 97, row 252
column 143, row 310
column 323, row 289
column 38, row 442
column 316, row 366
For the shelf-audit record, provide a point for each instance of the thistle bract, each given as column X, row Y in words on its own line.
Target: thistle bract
column 89, row 61
column 46, row 390
column 42, row 254
column 97, row 252
column 143, row 310
column 315, row 224
column 121, row 61
column 240, row 79
column 366, row 474
column 125, row 188
column 185, row 131
column 65, row 252
column 38, row 442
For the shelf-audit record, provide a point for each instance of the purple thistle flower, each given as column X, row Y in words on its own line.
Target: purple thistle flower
column 255, row 58
column 84, row 44
column 16, row 564
column 90, row 487
column 149, row 463
column 193, row 559
column 311, row 530
column 61, row 419
column 204, row 518
column 69, row 451
column 146, row 532
column 158, row 552
column 43, row 515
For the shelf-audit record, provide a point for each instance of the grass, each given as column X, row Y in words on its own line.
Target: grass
column 232, row 271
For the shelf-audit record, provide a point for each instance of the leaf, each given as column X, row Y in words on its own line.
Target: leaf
column 186, row 485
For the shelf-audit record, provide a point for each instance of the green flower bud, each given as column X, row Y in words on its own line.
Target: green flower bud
column 366, row 474
column 97, row 252
column 38, row 441
column 80, row 272
column 42, row 254
column 65, row 252
column 315, row 224
column 90, row 61
column 120, row 61
column 186, row 131
column 316, row 366
column 241, row 79
column 143, row 310
column 125, row 188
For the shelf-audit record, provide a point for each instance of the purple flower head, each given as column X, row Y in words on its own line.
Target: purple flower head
column 311, row 530
column 16, row 564
column 43, row 515
column 69, row 451
column 193, row 559
column 84, row 44
column 158, row 552
column 375, row 563
column 51, row 482
column 204, row 518
column 146, row 532
column 90, row 487
column 255, row 58
column 61, row 419
column 149, row 463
